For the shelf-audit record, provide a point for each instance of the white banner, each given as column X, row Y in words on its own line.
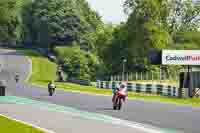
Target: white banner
column 181, row 57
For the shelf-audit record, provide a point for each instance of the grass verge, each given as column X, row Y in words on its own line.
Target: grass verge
column 12, row 126
column 43, row 70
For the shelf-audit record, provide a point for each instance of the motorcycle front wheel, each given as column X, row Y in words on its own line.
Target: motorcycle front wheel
column 51, row 92
column 114, row 106
column 119, row 105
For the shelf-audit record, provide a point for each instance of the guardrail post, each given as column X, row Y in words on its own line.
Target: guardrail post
column 131, row 76
column 174, row 91
column 180, row 92
column 136, row 76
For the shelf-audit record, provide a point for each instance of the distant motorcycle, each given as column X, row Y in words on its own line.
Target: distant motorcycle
column 17, row 78
column 51, row 89
column 119, row 99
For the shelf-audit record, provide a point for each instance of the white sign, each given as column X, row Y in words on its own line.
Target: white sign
column 181, row 57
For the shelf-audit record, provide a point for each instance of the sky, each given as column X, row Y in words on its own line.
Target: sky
column 110, row 10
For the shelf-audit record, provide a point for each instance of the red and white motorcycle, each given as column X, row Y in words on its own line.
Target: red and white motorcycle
column 119, row 98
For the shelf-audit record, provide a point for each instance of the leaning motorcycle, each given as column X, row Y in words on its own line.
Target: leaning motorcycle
column 120, row 97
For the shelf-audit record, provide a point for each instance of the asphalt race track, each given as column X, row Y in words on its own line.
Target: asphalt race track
column 182, row 118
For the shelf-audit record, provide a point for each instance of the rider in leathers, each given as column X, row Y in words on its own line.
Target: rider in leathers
column 119, row 87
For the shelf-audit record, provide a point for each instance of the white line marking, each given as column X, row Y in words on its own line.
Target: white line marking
column 26, row 123
column 135, row 125
column 30, row 69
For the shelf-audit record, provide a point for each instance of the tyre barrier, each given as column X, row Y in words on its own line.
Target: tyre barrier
column 154, row 88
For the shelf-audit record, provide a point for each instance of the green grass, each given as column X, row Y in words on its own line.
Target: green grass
column 44, row 70
column 11, row 126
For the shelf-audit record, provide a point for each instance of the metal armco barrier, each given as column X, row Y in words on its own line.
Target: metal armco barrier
column 149, row 88
column 159, row 90
column 138, row 87
column 129, row 87
column 154, row 88
column 107, row 85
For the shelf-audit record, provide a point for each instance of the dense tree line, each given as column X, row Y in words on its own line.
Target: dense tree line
column 153, row 24
column 88, row 48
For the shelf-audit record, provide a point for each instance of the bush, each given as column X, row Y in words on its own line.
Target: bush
column 77, row 63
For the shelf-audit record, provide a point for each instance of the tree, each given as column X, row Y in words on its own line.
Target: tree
column 7, row 11
column 9, row 20
column 77, row 63
column 156, row 23
column 60, row 21
column 175, row 15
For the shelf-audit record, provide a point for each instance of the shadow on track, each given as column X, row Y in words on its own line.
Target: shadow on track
column 105, row 109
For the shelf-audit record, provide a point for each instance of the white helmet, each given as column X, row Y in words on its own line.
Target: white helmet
column 122, row 85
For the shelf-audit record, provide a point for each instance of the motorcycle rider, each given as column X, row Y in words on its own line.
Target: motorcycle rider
column 17, row 77
column 51, row 85
column 124, row 90
column 121, row 85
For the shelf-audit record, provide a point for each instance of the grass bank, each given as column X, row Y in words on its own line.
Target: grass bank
column 11, row 126
column 43, row 70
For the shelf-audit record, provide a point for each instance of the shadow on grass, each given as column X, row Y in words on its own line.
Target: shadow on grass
column 29, row 52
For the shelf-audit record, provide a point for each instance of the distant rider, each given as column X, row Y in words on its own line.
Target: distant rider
column 51, row 85
column 17, row 77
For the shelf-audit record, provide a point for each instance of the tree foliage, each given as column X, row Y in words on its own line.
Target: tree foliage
column 174, row 15
column 153, row 24
column 76, row 62
column 92, row 48
column 60, row 21
column 10, row 20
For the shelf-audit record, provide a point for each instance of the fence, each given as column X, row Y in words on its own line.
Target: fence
column 149, row 88
column 133, row 76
